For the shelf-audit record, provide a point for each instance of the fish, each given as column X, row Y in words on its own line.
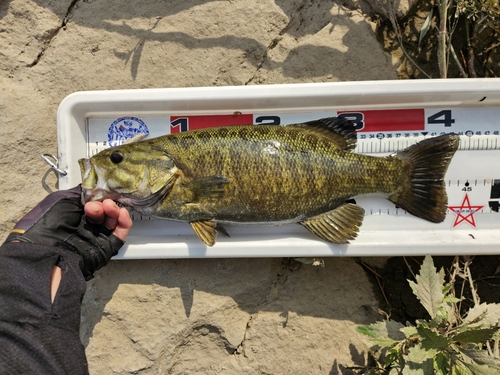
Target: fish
column 269, row 175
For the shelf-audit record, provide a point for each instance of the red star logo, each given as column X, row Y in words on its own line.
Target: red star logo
column 465, row 212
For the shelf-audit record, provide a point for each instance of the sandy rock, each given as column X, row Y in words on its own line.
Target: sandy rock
column 24, row 137
column 195, row 317
column 303, row 52
column 27, row 29
column 213, row 316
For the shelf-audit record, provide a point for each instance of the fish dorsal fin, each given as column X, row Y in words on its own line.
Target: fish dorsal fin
column 341, row 131
column 206, row 187
column 339, row 225
column 135, row 138
column 207, row 231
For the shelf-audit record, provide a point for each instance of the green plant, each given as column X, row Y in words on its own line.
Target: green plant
column 447, row 343
column 449, row 23
column 482, row 19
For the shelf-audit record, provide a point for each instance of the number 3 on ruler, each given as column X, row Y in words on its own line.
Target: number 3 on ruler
column 356, row 118
column 442, row 117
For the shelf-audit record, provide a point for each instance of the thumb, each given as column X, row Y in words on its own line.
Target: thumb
column 124, row 223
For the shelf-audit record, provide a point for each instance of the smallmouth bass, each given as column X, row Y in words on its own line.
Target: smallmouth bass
column 267, row 174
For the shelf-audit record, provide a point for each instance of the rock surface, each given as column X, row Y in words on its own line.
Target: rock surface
column 215, row 316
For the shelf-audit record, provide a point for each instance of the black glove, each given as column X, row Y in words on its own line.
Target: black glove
column 59, row 221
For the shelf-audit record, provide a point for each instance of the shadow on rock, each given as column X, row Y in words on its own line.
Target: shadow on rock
column 305, row 18
column 339, row 291
column 359, row 360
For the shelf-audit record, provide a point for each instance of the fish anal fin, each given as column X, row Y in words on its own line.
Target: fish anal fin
column 207, row 231
column 339, row 225
column 206, row 187
column 340, row 131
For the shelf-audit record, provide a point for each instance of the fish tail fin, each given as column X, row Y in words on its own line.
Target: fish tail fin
column 423, row 192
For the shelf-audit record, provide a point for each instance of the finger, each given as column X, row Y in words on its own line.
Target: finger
column 55, row 281
column 94, row 212
column 111, row 212
column 124, row 224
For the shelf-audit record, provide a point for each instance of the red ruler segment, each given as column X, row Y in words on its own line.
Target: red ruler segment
column 184, row 123
column 386, row 120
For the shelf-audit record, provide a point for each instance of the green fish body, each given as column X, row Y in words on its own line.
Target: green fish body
column 301, row 173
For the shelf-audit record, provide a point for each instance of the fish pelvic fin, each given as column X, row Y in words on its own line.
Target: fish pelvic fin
column 340, row 131
column 423, row 190
column 339, row 225
column 207, row 231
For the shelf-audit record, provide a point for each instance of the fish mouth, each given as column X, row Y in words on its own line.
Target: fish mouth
column 89, row 195
column 90, row 189
column 89, row 178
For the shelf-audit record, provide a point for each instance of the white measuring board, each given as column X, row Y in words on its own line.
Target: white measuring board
column 388, row 115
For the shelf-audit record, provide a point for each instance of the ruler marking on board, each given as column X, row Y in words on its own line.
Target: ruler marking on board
column 377, row 134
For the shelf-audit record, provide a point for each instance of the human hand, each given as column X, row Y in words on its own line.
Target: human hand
column 107, row 213
column 96, row 231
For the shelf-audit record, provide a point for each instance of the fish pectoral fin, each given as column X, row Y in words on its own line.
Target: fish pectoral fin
column 339, row 225
column 207, row 231
column 211, row 187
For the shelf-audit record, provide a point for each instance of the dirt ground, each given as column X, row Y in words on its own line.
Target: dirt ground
column 193, row 316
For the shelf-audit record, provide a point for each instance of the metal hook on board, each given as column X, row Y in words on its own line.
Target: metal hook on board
column 54, row 166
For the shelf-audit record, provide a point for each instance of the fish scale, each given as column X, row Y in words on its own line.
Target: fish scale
column 300, row 173
column 261, row 175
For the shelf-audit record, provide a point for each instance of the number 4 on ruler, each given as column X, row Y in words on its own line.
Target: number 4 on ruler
column 442, row 117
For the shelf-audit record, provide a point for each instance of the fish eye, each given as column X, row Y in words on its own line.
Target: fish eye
column 116, row 157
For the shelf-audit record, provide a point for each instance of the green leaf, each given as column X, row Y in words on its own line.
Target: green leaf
column 431, row 339
column 434, row 323
column 391, row 357
column 476, row 369
column 429, row 287
column 485, row 314
column 425, row 27
column 409, row 331
column 475, row 336
column 482, row 357
column 451, row 299
column 447, row 287
column 460, row 369
column 385, row 333
column 418, row 362
column 441, row 364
